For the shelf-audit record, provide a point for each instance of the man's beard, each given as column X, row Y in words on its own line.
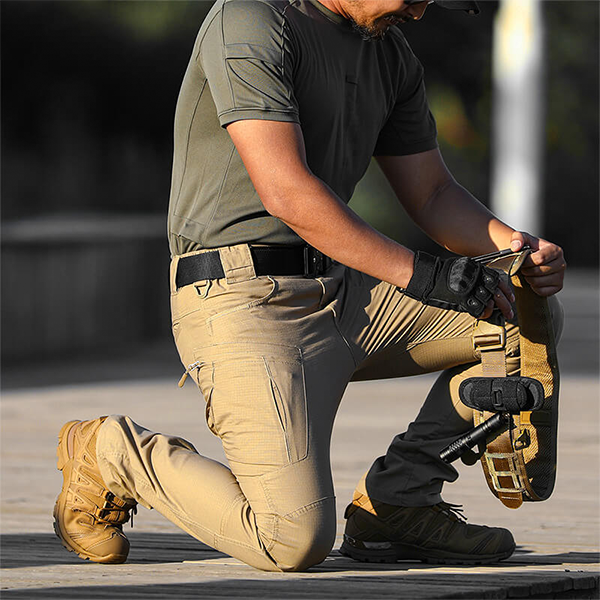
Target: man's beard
column 369, row 34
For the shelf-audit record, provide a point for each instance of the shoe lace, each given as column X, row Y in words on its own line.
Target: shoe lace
column 454, row 511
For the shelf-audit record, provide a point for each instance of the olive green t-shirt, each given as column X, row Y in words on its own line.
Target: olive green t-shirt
column 294, row 61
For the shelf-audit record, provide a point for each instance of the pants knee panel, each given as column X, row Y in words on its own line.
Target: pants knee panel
column 305, row 538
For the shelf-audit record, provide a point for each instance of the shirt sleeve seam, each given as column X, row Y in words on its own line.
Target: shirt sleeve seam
column 423, row 145
column 258, row 109
column 224, row 57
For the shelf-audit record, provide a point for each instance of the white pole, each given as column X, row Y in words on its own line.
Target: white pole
column 518, row 114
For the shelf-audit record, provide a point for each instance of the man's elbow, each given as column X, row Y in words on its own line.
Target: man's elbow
column 286, row 200
column 275, row 204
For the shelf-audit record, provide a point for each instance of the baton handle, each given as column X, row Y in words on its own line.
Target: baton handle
column 472, row 438
column 485, row 258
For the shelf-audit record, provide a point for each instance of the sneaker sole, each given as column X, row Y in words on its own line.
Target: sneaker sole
column 62, row 455
column 406, row 552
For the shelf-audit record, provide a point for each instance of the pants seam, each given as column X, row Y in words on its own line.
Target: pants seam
column 339, row 331
column 309, row 506
column 225, row 517
column 412, row 345
column 138, row 477
column 192, row 524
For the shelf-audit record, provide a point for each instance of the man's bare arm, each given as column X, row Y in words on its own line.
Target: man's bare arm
column 445, row 211
column 274, row 156
column 450, row 215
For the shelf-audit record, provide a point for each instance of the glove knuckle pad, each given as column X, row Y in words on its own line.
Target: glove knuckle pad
column 474, row 306
column 490, row 279
column 482, row 294
column 462, row 276
column 459, row 284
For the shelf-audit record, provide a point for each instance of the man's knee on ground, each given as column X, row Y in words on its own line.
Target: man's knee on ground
column 305, row 538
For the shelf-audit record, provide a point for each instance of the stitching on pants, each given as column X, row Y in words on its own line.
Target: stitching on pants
column 209, row 533
column 275, row 536
column 337, row 328
column 267, row 496
column 277, row 402
column 412, row 345
column 225, row 518
column 308, row 507
column 246, row 305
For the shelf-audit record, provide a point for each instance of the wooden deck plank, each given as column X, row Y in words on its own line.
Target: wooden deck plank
column 558, row 539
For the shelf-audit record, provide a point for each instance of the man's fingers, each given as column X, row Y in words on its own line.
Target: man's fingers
column 544, row 269
column 520, row 239
column 546, row 279
column 489, row 308
column 557, row 265
column 546, row 253
column 546, row 285
column 506, row 289
column 501, row 300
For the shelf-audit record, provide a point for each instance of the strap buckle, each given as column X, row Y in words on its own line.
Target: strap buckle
column 315, row 262
column 490, row 340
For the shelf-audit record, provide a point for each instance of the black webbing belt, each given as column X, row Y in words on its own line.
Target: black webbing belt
column 268, row 260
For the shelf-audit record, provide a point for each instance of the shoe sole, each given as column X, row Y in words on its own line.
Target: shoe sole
column 62, row 454
column 406, row 552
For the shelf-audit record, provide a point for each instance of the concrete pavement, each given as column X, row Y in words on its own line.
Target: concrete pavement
column 558, row 539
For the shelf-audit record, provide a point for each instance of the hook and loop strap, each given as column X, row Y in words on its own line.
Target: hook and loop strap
column 498, row 460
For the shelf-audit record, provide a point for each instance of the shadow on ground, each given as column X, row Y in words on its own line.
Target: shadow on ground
column 45, row 549
column 536, row 584
column 216, row 580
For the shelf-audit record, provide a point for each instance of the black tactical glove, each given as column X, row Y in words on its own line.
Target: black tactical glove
column 458, row 284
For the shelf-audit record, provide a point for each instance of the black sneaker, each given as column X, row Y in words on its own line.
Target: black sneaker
column 378, row 532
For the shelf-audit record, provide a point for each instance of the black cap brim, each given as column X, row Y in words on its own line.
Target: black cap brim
column 470, row 7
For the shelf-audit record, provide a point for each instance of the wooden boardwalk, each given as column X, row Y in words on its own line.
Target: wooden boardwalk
column 557, row 556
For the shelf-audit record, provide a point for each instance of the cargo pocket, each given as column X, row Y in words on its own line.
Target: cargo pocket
column 205, row 380
column 256, row 401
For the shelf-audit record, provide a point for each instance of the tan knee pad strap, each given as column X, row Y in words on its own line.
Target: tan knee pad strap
column 521, row 463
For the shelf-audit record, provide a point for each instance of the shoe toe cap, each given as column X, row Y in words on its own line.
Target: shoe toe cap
column 113, row 548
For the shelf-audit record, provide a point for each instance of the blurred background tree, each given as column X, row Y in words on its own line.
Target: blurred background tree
column 89, row 90
column 88, row 98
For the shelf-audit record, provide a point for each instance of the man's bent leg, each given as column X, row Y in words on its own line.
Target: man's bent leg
column 401, row 337
column 272, row 367
column 204, row 498
column 397, row 512
column 411, row 473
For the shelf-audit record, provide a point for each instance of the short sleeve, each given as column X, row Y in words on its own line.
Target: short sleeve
column 247, row 58
column 410, row 128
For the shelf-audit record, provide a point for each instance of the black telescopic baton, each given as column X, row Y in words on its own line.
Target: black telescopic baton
column 479, row 434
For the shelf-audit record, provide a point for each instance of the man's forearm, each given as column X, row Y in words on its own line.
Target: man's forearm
column 275, row 158
column 458, row 221
column 319, row 217
column 446, row 211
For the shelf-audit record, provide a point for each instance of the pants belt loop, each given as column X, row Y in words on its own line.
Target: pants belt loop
column 237, row 263
column 173, row 274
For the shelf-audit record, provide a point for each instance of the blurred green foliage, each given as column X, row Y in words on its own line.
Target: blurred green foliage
column 89, row 91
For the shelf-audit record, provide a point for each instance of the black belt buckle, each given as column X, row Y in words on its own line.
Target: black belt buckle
column 314, row 262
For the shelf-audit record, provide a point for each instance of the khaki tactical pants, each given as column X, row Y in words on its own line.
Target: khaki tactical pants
column 273, row 356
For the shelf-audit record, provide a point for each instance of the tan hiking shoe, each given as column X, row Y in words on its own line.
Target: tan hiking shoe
column 88, row 518
column 378, row 532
